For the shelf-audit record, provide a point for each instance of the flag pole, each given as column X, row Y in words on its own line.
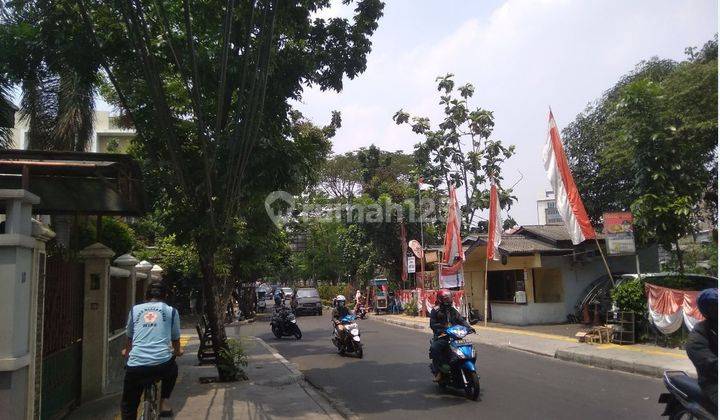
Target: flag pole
column 602, row 254
column 485, row 294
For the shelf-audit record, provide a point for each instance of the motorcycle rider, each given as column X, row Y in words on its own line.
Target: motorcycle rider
column 702, row 344
column 442, row 316
column 339, row 311
column 278, row 298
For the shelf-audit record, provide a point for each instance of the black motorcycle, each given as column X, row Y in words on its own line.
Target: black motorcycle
column 284, row 324
column 685, row 400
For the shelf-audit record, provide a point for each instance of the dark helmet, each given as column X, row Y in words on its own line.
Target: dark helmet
column 707, row 303
column 444, row 298
column 156, row 290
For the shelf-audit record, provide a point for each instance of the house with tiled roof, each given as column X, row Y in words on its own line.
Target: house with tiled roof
column 541, row 274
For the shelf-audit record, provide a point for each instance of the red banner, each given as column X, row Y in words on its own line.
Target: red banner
column 426, row 298
column 668, row 308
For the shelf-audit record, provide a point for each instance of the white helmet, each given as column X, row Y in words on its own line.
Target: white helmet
column 340, row 299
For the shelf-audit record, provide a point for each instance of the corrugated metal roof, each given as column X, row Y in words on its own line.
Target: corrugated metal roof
column 517, row 244
column 551, row 232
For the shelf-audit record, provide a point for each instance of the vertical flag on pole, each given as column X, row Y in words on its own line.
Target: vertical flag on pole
column 494, row 225
column 451, row 274
column 567, row 198
column 403, row 241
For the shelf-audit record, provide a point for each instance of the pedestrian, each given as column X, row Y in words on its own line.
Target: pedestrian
column 192, row 303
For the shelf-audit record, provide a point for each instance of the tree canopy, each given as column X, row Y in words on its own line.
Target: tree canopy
column 207, row 85
column 461, row 152
column 649, row 145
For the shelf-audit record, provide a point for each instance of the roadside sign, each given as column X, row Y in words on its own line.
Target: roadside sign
column 416, row 248
column 411, row 264
column 619, row 236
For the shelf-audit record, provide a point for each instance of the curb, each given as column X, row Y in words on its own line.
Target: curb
column 333, row 408
column 612, row 364
column 564, row 355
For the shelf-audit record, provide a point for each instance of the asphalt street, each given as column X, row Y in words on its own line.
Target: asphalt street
column 393, row 380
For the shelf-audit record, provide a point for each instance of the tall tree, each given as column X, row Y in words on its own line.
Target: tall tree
column 650, row 146
column 47, row 51
column 341, row 177
column 460, row 151
column 207, row 85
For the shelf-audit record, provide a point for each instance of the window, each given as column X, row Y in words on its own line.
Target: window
column 502, row 285
column 307, row 293
column 547, row 284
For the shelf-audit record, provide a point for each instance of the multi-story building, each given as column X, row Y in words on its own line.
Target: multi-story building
column 547, row 210
column 107, row 135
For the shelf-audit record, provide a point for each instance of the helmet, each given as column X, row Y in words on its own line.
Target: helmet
column 155, row 290
column 444, row 298
column 707, row 303
column 340, row 300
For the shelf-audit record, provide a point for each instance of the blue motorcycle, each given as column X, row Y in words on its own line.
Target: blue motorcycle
column 460, row 372
column 347, row 339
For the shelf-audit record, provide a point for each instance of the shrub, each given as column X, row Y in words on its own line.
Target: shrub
column 233, row 360
column 630, row 296
column 412, row 308
column 329, row 292
column 115, row 234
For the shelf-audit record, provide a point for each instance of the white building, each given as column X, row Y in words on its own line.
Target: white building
column 106, row 134
column 546, row 210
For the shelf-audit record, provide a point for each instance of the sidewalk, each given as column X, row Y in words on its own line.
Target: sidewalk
column 640, row 359
column 275, row 389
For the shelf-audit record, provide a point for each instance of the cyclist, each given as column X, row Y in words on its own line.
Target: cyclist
column 152, row 328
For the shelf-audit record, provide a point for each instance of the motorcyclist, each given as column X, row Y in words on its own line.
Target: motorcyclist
column 442, row 316
column 702, row 344
column 278, row 298
column 339, row 311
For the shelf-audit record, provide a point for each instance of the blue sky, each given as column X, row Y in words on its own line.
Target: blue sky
column 521, row 55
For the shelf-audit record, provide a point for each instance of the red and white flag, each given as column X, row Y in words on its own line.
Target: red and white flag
column 567, row 198
column 494, row 225
column 451, row 274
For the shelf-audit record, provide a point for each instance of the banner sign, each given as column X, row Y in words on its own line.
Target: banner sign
column 619, row 236
column 668, row 308
column 427, row 298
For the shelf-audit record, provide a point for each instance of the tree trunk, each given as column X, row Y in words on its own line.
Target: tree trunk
column 214, row 310
column 679, row 255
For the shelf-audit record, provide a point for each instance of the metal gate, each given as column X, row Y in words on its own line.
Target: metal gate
column 62, row 336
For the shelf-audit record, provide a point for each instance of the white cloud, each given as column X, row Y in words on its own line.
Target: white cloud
column 521, row 56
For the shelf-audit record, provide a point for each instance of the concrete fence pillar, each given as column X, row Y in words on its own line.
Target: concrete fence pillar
column 16, row 289
column 156, row 272
column 42, row 234
column 128, row 262
column 144, row 267
column 95, row 320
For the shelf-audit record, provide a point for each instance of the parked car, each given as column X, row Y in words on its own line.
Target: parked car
column 307, row 300
column 287, row 292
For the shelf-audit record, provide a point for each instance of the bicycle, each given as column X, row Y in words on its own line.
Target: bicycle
column 151, row 401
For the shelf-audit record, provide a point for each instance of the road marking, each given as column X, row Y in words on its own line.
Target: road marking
column 611, row 346
column 529, row 333
column 608, row 346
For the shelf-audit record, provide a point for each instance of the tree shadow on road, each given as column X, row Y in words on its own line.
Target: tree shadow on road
column 396, row 386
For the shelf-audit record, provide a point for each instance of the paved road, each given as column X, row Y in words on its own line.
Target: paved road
column 392, row 381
